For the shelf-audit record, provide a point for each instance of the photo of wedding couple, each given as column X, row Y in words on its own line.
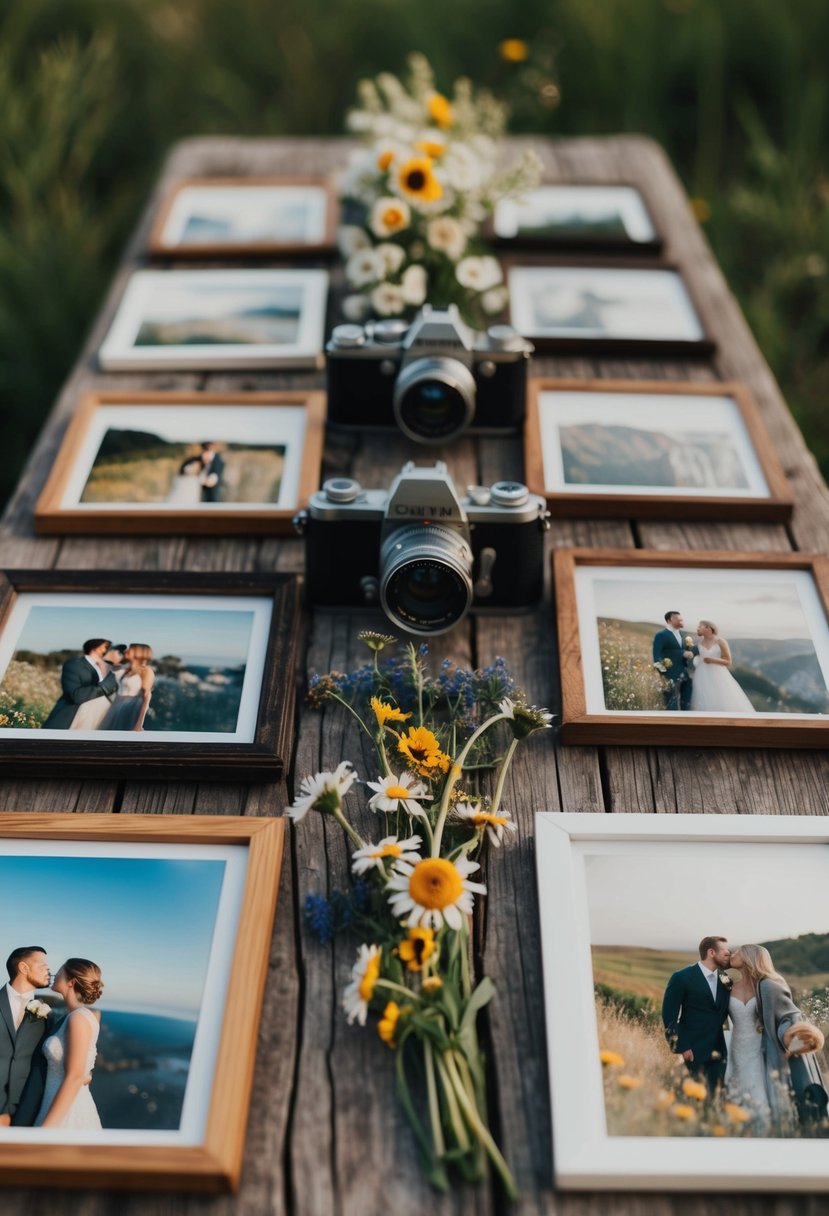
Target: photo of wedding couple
column 722, row 1036
column 123, row 666
column 98, row 1017
column 738, row 643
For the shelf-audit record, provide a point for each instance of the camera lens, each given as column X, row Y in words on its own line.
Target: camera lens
column 434, row 399
column 425, row 583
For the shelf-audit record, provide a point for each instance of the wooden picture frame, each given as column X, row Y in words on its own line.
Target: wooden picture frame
column 207, row 1158
column 573, row 853
column 754, row 454
column 256, row 615
column 790, row 592
column 323, row 242
column 201, row 319
column 629, row 198
column 59, row 509
column 690, row 336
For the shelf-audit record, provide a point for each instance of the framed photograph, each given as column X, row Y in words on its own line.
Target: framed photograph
column 125, row 673
column 646, row 448
column 194, row 320
column 183, row 463
column 686, row 1002
column 153, row 934
column 235, row 217
column 618, row 306
column 595, row 217
column 703, row 649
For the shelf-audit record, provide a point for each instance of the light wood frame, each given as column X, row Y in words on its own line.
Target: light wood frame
column 159, row 247
column 53, row 518
column 776, row 507
column 586, row 242
column 216, row 1163
column 667, row 728
column 264, row 759
column 702, row 347
column 586, row 1157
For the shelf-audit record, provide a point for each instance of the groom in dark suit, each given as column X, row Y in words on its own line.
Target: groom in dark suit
column 22, row 1031
column 694, row 1009
column 82, row 679
column 673, row 658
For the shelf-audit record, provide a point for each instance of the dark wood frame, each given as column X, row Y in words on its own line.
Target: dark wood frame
column 158, row 247
column 51, row 517
column 702, row 348
column 262, row 760
column 667, row 728
column 216, row 1163
column 586, row 242
column 777, row 507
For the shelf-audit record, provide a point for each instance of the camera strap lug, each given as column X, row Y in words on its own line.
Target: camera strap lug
column 300, row 522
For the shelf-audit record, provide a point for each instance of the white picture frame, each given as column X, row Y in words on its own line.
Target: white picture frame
column 189, row 304
column 586, row 1156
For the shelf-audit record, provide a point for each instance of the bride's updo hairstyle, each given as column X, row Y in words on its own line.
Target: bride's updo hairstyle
column 86, row 978
column 710, row 625
column 140, row 652
column 759, row 966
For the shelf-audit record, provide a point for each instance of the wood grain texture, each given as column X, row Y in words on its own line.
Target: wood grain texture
column 326, row 1134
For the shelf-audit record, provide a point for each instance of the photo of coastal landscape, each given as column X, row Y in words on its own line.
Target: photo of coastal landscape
column 575, row 213
column 185, row 314
column 146, row 925
column 246, row 214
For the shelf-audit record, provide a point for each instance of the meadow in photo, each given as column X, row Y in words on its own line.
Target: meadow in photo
column 576, row 213
column 123, row 666
column 602, row 303
column 711, row 961
column 246, row 215
column 195, row 313
column 732, row 642
column 647, row 443
column 183, row 457
column 110, row 960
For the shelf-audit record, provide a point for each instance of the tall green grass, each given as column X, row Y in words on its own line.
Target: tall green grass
column 93, row 92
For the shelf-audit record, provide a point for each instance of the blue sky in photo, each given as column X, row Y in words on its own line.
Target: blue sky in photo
column 147, row 923
column 196, row 635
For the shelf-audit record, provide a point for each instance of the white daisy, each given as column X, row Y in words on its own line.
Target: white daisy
column 394, row 793
column 413, row 285
column 387, row 300
column 363, row 267
column 481, row 820
column 364, row 975
column 351, row 239
column 494, row 300
column 322, row 792
column 479, row 274
column 372, row 855
column 446, row 235
column 433, row 891
column 393, row 256
column 356, row 307
column 390, row 215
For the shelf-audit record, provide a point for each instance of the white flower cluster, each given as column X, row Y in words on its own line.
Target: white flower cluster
column 424, row 182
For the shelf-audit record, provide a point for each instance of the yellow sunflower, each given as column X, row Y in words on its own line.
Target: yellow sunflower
column 422, row 750
column 416, row 181
column 440, row 110
column 418, row 947
column 388, row 1022
column 384, row 712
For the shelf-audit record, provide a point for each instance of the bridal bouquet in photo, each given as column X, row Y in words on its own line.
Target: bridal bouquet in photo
column 417, row 877
column 421, row 188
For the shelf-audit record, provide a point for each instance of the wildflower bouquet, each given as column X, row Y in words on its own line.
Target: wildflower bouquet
column 422, row 187
column 417, row 879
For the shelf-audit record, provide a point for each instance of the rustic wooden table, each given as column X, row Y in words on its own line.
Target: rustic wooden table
column 325, row 1133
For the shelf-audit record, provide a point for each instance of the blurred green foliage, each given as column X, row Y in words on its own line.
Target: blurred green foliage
column 93, row 92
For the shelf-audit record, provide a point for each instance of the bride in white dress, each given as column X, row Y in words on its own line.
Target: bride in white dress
column 714, row 688
column 745, row 1070
column 70, row 1052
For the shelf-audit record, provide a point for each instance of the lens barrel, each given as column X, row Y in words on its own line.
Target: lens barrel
column 425, row 578
column 434, row 399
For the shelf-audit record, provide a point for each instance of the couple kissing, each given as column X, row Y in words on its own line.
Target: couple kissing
column 108, row 687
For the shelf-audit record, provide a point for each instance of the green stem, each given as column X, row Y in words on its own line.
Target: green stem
column 353, row 711
column 466, row 978
column 473, row 1118
column 499, row 786
column 432, row 1093
column 455, row 1117
column 454, row 775
column 390, row 984
column 348, row 829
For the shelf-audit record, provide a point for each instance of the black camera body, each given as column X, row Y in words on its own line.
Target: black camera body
column 435, row 378
column 421, row 551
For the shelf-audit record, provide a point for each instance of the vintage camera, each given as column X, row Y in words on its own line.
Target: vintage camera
column 438, row 376
column 422, row 551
